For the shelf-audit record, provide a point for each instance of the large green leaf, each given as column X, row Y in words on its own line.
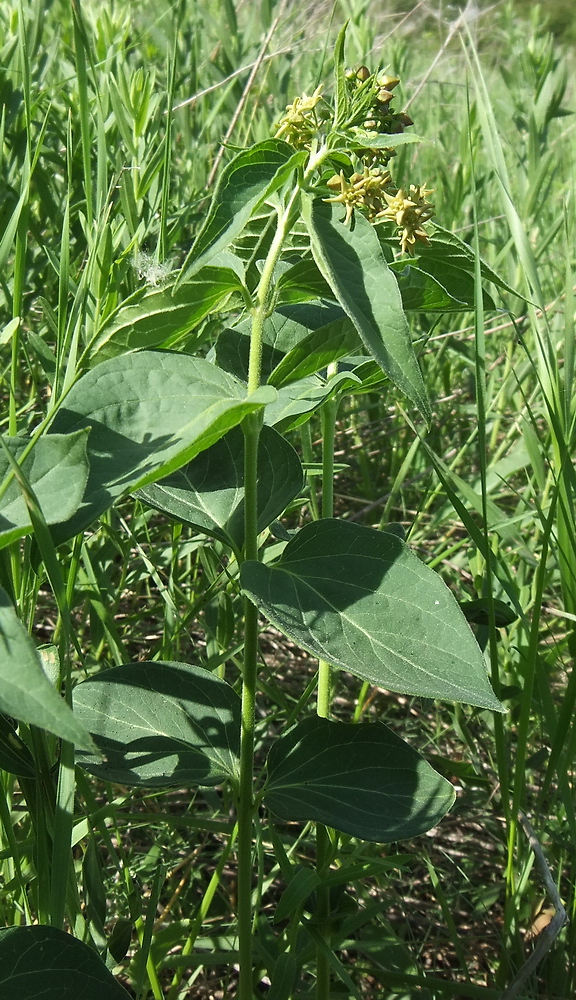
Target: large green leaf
column 149, row 412
column 316, row 351
column 444, row 283
column 26, row 693
column 436, row 285
column 448, row 247
column 208, row 493
column 243, row 185
column 352, row 262
column 363, row 780
column 302, row 282
column 56, row 469
column 153, row 317
column 160, row 724
column 360, row 599
column 45, row 963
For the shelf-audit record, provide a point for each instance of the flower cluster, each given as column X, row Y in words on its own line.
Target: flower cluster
column 409, row 213
column 366, row 191
column 373, row 191
column 300, row 122
column 368, row 115
column 378, row 116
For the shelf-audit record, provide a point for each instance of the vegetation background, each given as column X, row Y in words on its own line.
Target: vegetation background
column 100, row 191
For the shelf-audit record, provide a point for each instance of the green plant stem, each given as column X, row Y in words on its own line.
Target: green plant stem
column 324, row 689
column 329, row 411
column 251, row 427
column 261, row 309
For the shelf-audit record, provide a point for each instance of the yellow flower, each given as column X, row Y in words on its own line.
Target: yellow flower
column 299, row 122
column 409, row 213
column 347, row 195
column 364, row 191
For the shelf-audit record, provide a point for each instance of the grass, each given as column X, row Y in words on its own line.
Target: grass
column 113, row 118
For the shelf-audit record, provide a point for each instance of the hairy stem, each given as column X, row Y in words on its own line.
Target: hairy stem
column 329, row 411
column 251, row 426
column 261, row 309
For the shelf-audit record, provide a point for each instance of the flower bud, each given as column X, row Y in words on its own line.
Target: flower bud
column 389, row 82
column 363, row 73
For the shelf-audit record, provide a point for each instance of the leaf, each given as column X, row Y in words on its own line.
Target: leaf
column 225, row 258
column 447, row 247
column 153, row 317
column 243, row 186
column 283, row 978
column 15, row 757
column 298, row 890
column 45, row 963
column 26, row 693
column 302, row 282
column 370, row 376
column 9, row 330
column 365, row 373
column 478, row 612
column 44, row 353
column 56, row 469
column 360, row 599
column 149, row 413
column 11, row 226
column 382, row 947
column 353, row 264
column 349, row 874
column 296, row 401
column 431, row 285
column 360, row 138
column 315, row 352
column 341, row 99
column 208, row 493
column 160, row 724
column 360, row 779
column 421, row 292
column 231, row 352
